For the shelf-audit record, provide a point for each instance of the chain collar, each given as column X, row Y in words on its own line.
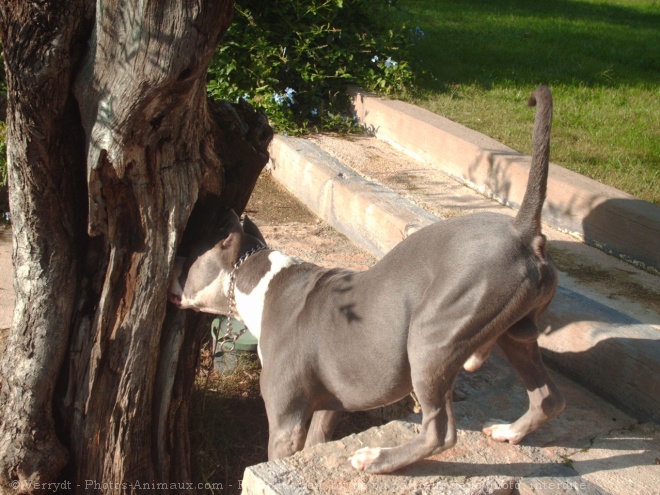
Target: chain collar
column 228, row 340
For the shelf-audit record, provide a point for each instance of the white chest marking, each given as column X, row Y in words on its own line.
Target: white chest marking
column 250, row 307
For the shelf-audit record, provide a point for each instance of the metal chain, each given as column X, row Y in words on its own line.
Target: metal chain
column 228, row 340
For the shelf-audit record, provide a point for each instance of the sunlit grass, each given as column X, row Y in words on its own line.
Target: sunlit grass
column 602, row 60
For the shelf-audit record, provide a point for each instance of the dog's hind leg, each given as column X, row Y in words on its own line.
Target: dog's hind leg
column 545, row 400
column 322, row 426
column 437, row 433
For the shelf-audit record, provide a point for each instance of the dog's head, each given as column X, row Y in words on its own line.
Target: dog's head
column 200, row 280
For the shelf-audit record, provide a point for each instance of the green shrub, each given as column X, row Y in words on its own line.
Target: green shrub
column 294, row 59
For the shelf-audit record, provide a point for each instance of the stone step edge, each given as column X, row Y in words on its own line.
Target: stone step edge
column 610, row 353
column 285, row 476
column 605, row 217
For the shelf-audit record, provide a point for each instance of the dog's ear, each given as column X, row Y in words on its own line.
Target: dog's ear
column 231, row 222
column 249, row 227
column 228, row 241
column 230, row 226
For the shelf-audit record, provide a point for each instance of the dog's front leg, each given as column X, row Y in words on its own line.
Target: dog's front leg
column 285, row 437
column 545, row 400
column 288, row 411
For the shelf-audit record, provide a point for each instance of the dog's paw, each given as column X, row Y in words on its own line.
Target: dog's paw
column 364, row 457
column 502, row 432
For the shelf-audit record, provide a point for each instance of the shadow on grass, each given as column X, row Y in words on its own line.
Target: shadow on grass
column 571, row 42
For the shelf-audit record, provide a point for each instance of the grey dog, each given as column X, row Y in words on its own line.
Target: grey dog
column 333, row 340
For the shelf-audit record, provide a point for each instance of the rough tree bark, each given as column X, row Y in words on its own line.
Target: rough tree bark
column 111, row 141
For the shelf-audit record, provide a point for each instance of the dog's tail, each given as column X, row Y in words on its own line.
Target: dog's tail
column 528, row 219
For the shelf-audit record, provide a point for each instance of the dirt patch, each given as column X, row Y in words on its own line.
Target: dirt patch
column 271, row 205
column 290, row 227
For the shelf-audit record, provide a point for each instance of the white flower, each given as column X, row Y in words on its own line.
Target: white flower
column 278, row 98
column 390, row 63
column 375, row 59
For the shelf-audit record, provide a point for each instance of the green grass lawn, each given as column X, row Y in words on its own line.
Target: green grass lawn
column 601, row 59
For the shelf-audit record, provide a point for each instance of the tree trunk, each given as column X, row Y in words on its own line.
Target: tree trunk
column 111, row 141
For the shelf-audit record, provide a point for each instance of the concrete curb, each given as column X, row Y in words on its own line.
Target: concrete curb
column 600, row 215
column 601, row 348
column 363, row 211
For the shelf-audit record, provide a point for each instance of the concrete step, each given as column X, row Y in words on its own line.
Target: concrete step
column 602, row 333
column 591, row 448
column 600, row 215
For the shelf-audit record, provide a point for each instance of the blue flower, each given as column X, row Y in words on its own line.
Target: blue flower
column 286, row 97
column 315, row 111
column 245, row 96
column 390, row 63
column 288, row 94
column 375, row 59
column 417, row 34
